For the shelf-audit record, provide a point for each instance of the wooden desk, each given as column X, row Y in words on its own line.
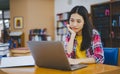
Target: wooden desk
column 91, row 69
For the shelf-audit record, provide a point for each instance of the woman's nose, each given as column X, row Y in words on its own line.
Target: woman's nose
column 75, row 24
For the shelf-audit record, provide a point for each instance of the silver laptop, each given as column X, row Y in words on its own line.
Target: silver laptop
column 50, row 54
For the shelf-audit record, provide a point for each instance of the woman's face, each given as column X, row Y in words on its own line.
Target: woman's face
column 76, row 22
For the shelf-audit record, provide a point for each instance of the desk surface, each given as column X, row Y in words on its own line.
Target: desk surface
column 91, row 69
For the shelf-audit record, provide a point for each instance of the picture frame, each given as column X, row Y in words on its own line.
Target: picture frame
column 18, row 22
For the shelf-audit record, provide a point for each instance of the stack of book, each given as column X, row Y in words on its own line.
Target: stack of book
column 21, row 51
column 4, row 49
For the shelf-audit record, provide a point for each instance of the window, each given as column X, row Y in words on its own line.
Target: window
column 4, row 24
column 1, row 23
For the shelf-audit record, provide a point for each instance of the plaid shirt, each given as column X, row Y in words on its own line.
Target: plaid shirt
column 95, row 51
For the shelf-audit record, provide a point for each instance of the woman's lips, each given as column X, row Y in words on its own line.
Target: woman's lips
column 74, row 28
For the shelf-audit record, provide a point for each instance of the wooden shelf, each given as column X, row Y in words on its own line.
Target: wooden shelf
column 106, row 19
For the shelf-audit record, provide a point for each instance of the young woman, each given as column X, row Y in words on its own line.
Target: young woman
column 83, row 43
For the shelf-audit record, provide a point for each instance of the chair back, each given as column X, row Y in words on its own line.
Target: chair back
column 111, row 56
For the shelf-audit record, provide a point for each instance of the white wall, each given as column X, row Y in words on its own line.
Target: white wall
column 64, row 5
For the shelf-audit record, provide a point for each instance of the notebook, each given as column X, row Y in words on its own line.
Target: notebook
column 50, row 54
column 17, row 61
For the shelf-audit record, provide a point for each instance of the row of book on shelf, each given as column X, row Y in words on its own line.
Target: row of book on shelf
column 38, row 31
column 61, row 27
column 41, row 38
column 39, row 35
column 61, row 24
column 15, row 39
column 116, row 20
column 62, row 31
column 60, row 37
column 62, row 16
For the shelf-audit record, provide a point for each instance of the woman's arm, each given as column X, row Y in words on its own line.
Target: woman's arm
column 87, row 60
column 97, row 48
column 69, row 46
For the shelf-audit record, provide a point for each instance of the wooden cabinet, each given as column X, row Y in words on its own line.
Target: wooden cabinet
column 61, row 28
column 106, row 19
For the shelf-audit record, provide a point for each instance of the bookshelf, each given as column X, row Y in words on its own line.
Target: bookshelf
column 61, row 28
column 16, row 40
column 106, row 19
column 38, row 35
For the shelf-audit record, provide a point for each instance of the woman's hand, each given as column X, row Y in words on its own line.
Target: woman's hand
column 74, row 61
column 71, row 31
column 81, row 61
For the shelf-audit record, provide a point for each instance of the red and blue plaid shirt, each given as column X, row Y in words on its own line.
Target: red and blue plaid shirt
column 95, row 51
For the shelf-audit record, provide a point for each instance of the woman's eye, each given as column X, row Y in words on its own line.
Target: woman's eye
column 72, row 20
column 79, row 21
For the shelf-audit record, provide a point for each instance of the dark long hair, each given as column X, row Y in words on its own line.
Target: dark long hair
column 87, row 27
